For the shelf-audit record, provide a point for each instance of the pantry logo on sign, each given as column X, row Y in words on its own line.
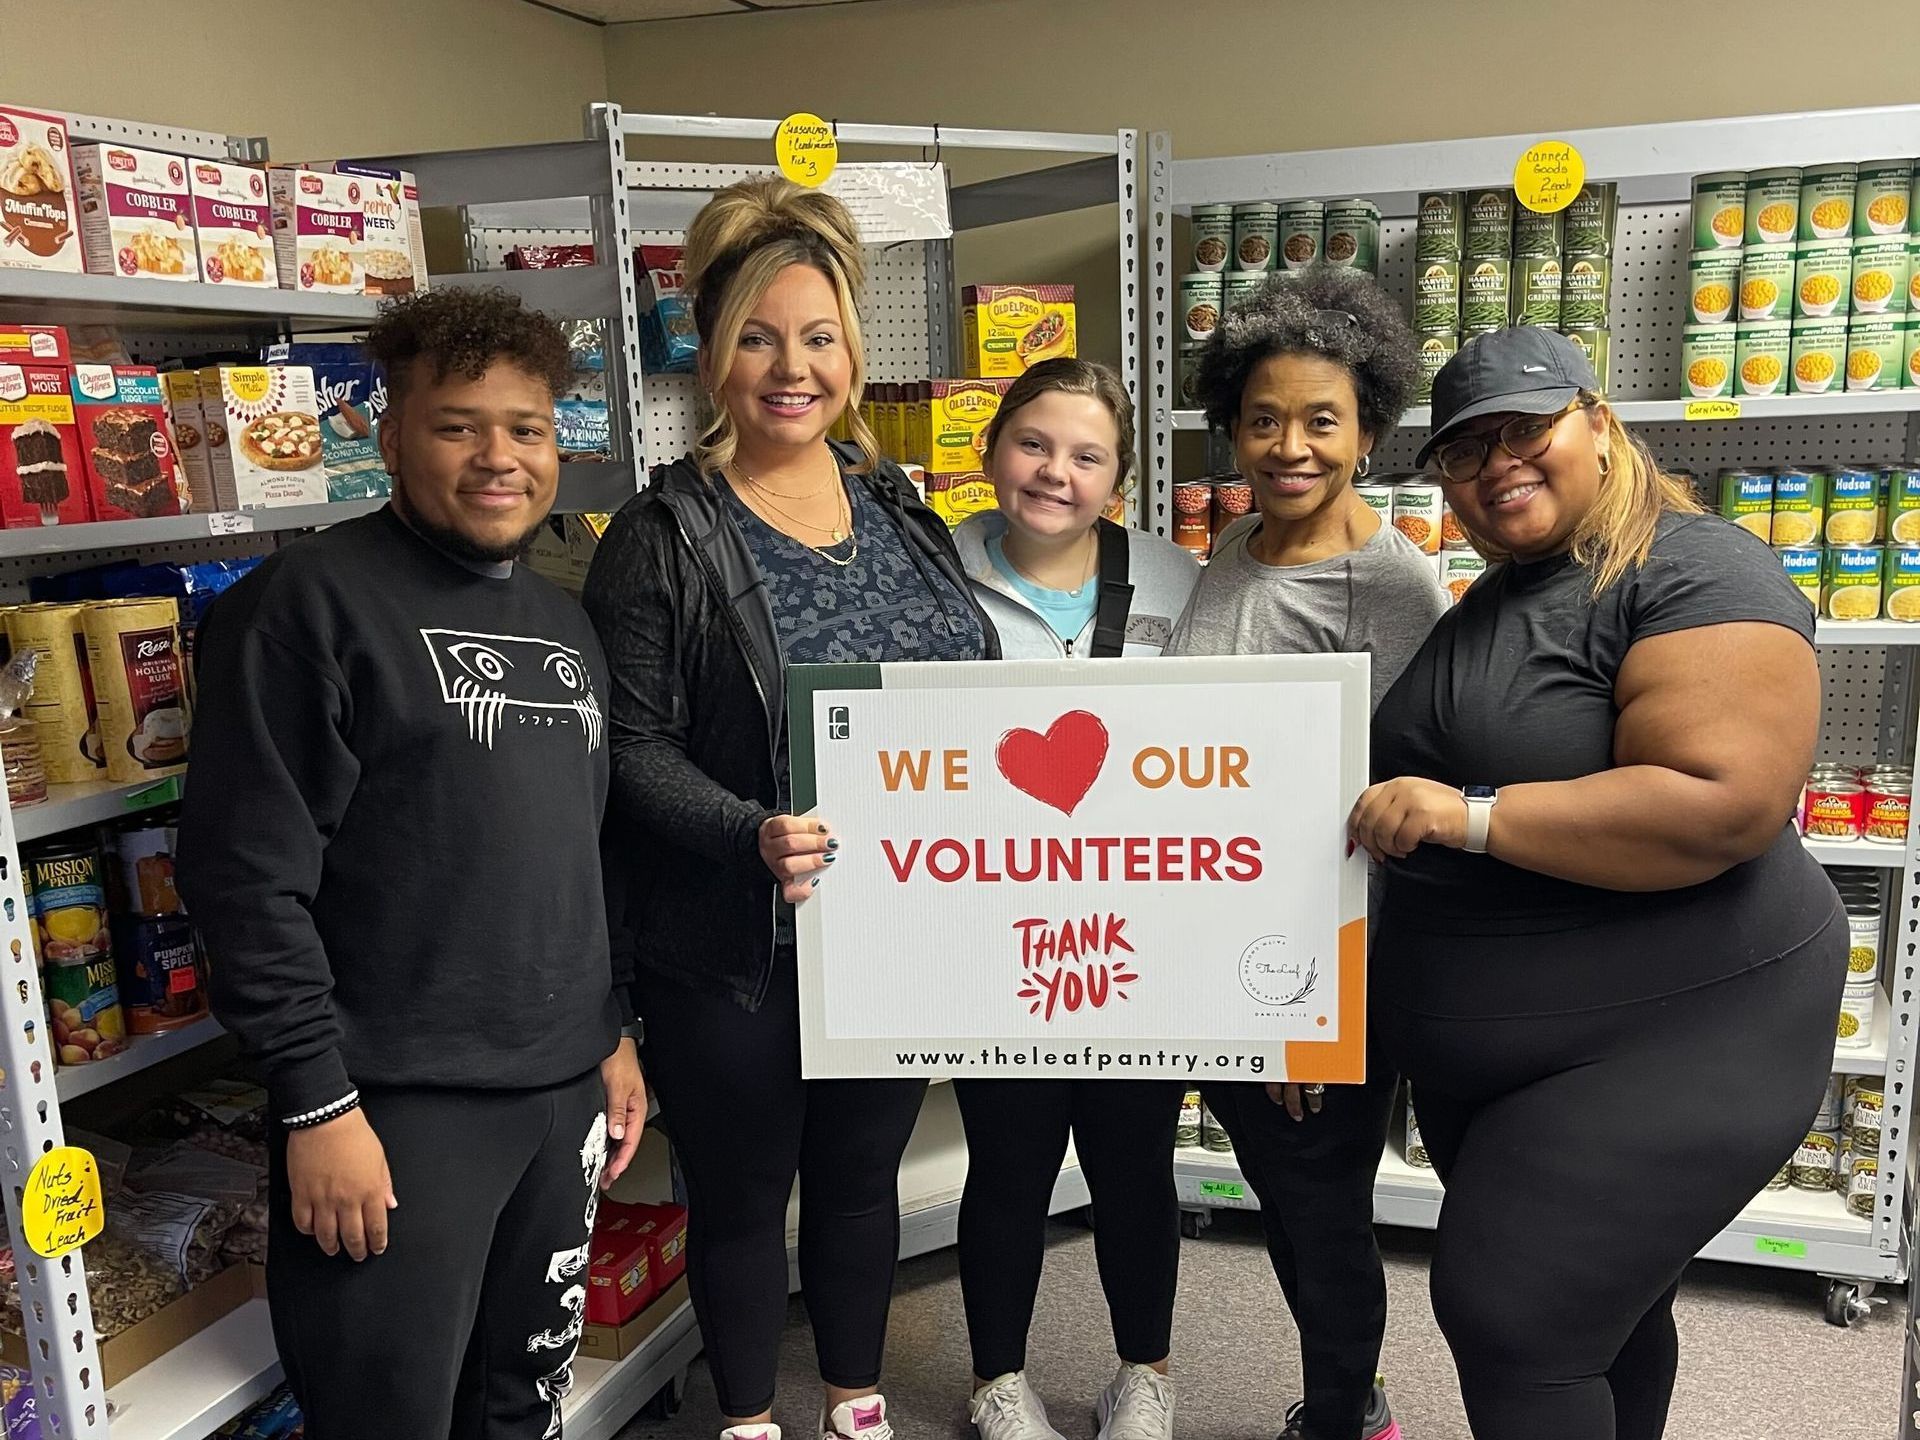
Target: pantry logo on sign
column 514, row 682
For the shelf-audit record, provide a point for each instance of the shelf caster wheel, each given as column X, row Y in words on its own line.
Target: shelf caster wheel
column 665, row 1403
column 1850, row 1301
column 1193, row 1222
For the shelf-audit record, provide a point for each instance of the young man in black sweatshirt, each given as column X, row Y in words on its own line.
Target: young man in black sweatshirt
column 390, row 843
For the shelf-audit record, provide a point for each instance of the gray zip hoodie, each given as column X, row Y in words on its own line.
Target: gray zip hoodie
column 1161, row 573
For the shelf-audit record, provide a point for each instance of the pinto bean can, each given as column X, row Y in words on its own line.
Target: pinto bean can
column 1416, row 514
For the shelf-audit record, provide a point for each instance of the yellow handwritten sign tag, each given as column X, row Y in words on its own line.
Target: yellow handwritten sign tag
column 806, row 149
column 1548, row 175
column 1712, row 410
column 61, row 1209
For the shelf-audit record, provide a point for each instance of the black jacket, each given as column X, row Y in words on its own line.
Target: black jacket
column 698, row 689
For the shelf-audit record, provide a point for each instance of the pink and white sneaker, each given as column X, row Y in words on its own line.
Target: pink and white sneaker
column 862, row 1419
column 767, row 1431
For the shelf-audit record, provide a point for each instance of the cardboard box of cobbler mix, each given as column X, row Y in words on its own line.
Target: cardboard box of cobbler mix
column 136, row 213
column 318, row 222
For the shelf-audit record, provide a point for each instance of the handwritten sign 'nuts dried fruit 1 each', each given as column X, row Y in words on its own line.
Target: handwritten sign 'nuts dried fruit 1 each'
column 806, row 149
column 61, row 1208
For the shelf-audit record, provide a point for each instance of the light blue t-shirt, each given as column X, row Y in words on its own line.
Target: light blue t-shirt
column 1066, row 611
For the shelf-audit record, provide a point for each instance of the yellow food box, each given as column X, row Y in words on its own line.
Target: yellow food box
column 950, row 432
column 957, row 497
column 1006, row 328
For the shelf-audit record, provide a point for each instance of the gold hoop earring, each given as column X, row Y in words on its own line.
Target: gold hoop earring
column 1606, row 464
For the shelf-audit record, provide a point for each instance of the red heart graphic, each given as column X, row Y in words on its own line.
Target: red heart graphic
column 1059, row 767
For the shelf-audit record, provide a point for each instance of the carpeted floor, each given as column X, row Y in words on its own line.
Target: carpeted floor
column 1757, row 1360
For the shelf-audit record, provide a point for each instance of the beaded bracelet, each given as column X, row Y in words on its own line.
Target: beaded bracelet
column 325, row 1113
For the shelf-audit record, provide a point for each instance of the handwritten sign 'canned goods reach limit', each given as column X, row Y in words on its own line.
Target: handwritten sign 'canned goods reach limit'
column 1132, row 869
column 1548, row 175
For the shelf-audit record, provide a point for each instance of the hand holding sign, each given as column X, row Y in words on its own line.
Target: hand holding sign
column 796, row 848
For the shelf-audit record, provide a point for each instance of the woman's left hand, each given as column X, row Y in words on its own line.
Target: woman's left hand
column 1391, row 818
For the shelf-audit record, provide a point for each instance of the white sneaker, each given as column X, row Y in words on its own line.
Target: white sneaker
column 1138, row 1405
column 862, row 1419
column 767, row 1431
column 1008, row 1409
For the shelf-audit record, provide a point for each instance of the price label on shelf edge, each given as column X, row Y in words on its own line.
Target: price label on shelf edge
column 1712, row 410
column 61, row 1208
column 1548, row 174
column 806, row 149
column 228, row 522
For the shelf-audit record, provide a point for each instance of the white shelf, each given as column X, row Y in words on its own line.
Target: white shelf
column 606, row 1393
column 1659, row 412
column 1856, row 852
column 1866, row 632
column 199, row 1386
column 105, row 534
column 45, row 296
column 92, row 802
column 142, row 1052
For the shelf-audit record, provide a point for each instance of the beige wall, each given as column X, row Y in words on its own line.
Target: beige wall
column 347, row 77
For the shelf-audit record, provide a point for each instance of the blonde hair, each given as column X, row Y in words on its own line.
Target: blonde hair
column 739, row 242
column 1065, row 375
column 1616, row 534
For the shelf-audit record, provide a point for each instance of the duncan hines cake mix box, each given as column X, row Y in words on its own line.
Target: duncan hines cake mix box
column 233, row 221
column 263, row 436
column 318, row 221
column 393, row 248
column 132, row 472
column 39, row 229
column 43, row 479
column 135, row 213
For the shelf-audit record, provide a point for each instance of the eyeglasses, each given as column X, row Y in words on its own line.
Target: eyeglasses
column 1525, row 437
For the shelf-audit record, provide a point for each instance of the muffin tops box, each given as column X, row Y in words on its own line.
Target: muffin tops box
column 43, row 478
column 263, row 436
column 1009, row 327
column 33, row 344
column 132, row 471
column 393, row 247
column 135, row 213
column 39, row 223
column 182, row 389
column 352, row 394
column 319, row 220
column 233, row 222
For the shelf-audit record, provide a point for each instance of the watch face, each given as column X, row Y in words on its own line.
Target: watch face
column 1477, row 792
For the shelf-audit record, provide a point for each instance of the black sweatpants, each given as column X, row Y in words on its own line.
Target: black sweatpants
column 1314, row 1180
column 744, row 1124
column 1016, row 1139
column 1588, row 1156
column 466, row 1327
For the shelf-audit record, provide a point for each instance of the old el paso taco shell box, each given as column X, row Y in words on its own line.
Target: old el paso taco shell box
column 1009, row 327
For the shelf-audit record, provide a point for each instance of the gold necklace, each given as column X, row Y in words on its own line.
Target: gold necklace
column 838, row 532
column 841, row 534
column 761, row 485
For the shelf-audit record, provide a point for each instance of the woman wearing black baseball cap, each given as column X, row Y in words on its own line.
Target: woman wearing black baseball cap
column 1596, row 909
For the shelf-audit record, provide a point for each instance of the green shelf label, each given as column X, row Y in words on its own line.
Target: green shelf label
column 164, row 793
column 1791, row 1249
column 1223, row 1190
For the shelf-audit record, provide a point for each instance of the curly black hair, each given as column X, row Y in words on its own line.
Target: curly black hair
column 1334, row 311
column 463, row 331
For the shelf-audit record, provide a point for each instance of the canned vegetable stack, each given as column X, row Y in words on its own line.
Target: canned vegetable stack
column 1848, row 536
column 1414, row 505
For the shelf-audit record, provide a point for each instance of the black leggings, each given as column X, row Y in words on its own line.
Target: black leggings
column 1016, row 1140
column 1314, row 1180
column 1588, row 1156
column 743, row 1124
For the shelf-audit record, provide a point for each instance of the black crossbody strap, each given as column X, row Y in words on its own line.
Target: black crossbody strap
column 1116, row 594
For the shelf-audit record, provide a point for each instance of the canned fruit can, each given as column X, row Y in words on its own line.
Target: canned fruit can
column 1819, row 355
column 1720, row 210
column 1900, row 484
column 1303, row 233
column 83, row 1008
column 1439, row 229
column 1255, row 232
column 1746, row 498
column 1855, row 574
column 1823, row 278
column 1766, row 282
column 1833, row 809
column 1353, row 235
column 1812, row 1165
column 1585, row 290
column 162, row 985
column 1201, row 297
column 1187, row 375
column 1596, row 343
column 67, row 897
column 1881, row 270
column 1856, row 513
column 1212, row 236
column 1436, row 294
column 1802, row 566
column 1590, row 219
column 1713, row 283
column 1458, row 570
column 1416, row 514
column 1486, row 291
column 1761, row 357
column 1377, row 498
column 1876, row 347
column 1707, row 354
column 1863, row 1185
column 1773, row 206
column 1799, row 506
column 1536, row 236
column 1881, row 198
column 143, row 861
column 1488, row 229
column 1826, row 200
column 1242, row 283
column 1536, row 291
column 1854, row 1029
column 1889, row 809
column 1435, row 351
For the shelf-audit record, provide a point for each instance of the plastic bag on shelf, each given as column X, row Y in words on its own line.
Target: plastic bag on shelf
column 125, row 1285
column 185, row 1232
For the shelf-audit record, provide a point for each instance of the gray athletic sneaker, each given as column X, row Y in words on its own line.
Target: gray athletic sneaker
column 1138, row 1405
column 1008, row 1409
column 1379, row 1423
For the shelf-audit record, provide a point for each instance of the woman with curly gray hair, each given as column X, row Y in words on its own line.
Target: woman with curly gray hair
column 1307, row 376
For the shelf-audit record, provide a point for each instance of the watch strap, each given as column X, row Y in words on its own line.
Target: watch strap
column 1479, row 821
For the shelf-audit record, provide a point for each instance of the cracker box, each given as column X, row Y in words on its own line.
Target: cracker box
column 393, row 248
column 263, row 436
column 1009, row 327
column 136, row 213
column 619, row 1271
column 43, row 479
column 33, row 344
column 182, row 389
column 352, row 394
column 132, row 472
column 948, row 434
column 233, row 224
column 318, row 221
column 39, row 219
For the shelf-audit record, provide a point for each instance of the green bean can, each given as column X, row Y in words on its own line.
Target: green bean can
column 1819, row 356
column 1486, row 291
column 1353, row 235
column 1876, row 352
column 1590, row 219
column 1242, row 283
column 1200, row 301
column 1596, row 343
column 1489, row 225
column 1255, row 235
column 1438, row 231
column 1536, row 291
column 1720, row 210
column 1713, row 284
column 1536, row 235
column 1706, row 361
column 1823, row 279
column 1436, row 294
column 1303, row 234
column 1901, row 484
column 1187, row 374
column 1585, row 289
column 1802, row 564
column 1766, row 282
column 1826, row 200
column 1882, row 200
column 1746, row 498
column 1773, row 206
column 1212, row 228
column 1435, row 350
column 1880, row 276
column 1761, row 357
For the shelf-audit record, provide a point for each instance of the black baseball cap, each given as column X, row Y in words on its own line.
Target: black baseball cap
column 1524, row 369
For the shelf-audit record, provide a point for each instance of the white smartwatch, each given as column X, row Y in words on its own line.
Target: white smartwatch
column 1480, row 801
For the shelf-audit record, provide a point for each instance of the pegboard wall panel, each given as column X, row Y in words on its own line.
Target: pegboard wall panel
column 1852, row 687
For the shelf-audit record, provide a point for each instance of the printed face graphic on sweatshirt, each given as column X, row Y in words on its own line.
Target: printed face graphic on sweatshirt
column 505, row 684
